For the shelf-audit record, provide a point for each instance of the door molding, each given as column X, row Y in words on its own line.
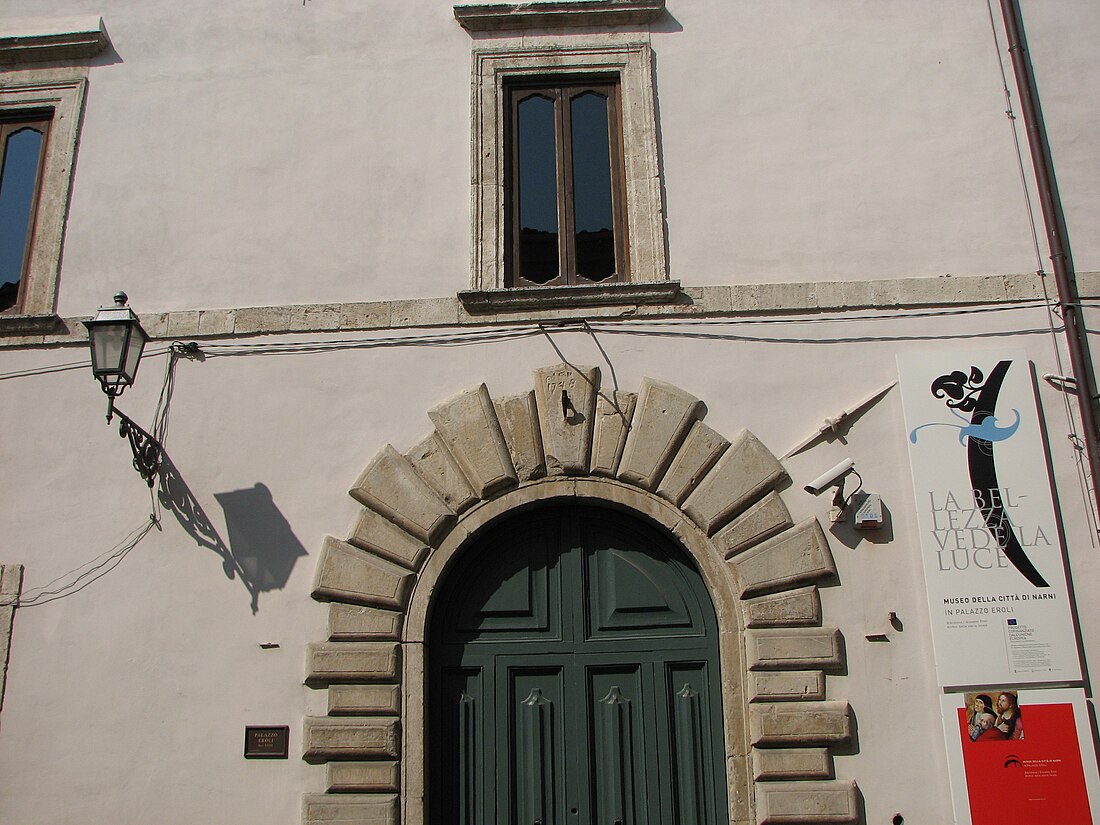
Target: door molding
column 648, row 454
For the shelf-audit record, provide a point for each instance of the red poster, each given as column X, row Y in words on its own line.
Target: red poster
column 1023, row 764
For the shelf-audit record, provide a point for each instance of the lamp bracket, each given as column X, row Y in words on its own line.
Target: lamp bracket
column 146, row 449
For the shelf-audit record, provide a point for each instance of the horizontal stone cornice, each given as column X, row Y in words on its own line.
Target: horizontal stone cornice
column 34, row 40
column 738, row 301
column 555, row 14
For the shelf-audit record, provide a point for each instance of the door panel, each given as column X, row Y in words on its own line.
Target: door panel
column 690, row 723
column 616, row 702
column 535, row 755
column 573, row 666
column 519, row 594
column 465, row 706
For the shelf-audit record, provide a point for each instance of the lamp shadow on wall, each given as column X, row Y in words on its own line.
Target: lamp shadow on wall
column 262, row 549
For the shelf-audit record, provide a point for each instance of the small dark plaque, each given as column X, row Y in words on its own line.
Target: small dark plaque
column 266, row 742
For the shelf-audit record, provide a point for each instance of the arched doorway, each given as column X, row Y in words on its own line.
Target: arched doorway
column 573, row 678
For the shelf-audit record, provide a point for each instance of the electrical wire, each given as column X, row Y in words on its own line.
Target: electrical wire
column 75, row 580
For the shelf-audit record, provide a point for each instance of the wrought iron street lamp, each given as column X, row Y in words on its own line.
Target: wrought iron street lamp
column 117, row 340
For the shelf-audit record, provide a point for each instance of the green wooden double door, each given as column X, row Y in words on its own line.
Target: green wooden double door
column 574, row 679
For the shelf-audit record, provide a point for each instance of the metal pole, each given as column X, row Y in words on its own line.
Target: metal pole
column 1057, row 238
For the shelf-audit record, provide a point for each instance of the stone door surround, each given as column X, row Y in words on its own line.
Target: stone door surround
column 647, row 453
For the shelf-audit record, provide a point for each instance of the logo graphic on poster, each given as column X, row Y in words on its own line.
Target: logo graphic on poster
column 974, row 394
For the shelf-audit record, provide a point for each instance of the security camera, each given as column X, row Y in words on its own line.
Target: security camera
column 830, row 477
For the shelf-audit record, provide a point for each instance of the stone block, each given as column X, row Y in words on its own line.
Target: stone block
column 761, row 521
column 346, row 573
column 519, row 421
column 389, row 485
column 314, row 317
column 795, row 557
column 793, row 608
column 744, row 473
column 661, row 422
column 376, row 737
column 800, row 723
column 700, row 451
column 328, row 662
column 11, row 585
column 794, row 648
column 565, row 397
column 799, row 685
column 435, row 464
column 261, row 319
column 364, row 700
column 613, row 416
column 364, row 777
column 468, row 425
column 787, row 296
column 370, row 315
column 1088, row 284
column 842, row 294
column 350, row 809
column 183, row 323
column 791, row 763
column 215, row 322
column 355, row 623
column 1026, row 286
column 11, row 581
column 807, row 803
column 424, row 312
column 377, row 534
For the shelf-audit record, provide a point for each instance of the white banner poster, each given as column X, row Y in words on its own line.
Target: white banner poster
column 993, row 562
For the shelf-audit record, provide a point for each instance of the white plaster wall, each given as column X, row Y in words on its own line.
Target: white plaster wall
column 270, row 151
column 253, row 153
column 131, row 696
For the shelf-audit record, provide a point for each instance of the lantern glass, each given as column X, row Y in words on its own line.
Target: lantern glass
column 134, row 346
column 108, row 346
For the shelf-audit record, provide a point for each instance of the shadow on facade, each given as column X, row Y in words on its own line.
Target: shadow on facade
column 262, row 549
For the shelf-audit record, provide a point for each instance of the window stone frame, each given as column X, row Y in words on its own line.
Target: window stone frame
column 64, row 94
column 632, row 62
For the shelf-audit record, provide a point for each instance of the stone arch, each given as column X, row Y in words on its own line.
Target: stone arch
column 647, row 453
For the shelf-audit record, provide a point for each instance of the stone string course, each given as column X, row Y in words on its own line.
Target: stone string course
column 694, row 301
column 619, row 447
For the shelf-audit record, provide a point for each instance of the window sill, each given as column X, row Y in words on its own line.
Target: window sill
column 485, row 301
column 30, row 324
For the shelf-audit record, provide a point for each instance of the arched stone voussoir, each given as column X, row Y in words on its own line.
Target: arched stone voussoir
column 565, row 398
column 435, row 464
column 347, row 574
column 791, row 608
column 378, row 535
column 744, row 473
column 467, row 424
column 795, row 557
column 614, row 414
column 519, row 421
column 391, row 487
column 662, row 419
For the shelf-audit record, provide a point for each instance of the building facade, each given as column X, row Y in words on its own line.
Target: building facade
column 589, row 304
